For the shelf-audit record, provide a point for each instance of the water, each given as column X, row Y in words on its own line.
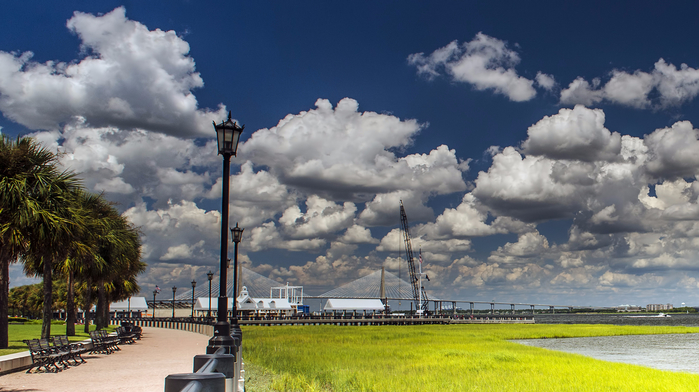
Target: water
column 688, row 320
column 675, row 352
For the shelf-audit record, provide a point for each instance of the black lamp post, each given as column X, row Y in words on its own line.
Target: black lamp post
column 237, row 233
column 155, row 292
column 194, row 284
column 174, row 290
column 210, row 275
column 228, row 134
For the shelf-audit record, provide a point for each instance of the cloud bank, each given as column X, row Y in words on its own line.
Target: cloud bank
column 318, row 193
column 129, row 77
column 485, row 62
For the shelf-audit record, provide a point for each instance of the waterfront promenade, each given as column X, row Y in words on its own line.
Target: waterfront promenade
column 141, row 366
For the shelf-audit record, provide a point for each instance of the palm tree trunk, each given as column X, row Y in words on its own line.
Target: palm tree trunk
column 99, row 313
column 88, row 304
column 70, row 305
column 106, row 313
column 48, row 291
column 4, row 298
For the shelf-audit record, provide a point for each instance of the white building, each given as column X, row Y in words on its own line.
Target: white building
column 354, row 305
column 658, row 307
column 131, row 307
column 247, row 305
column 264, row 306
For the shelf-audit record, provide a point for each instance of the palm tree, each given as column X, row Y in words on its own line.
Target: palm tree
column 33, row 218
column 120, row 249
column 83, row 250
column 107, row 260
column 51, row 224
column 49, row 242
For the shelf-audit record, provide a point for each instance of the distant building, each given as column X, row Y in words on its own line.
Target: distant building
column 658, row 307
column 628, row 308
column 130, row 307
column 264, row 306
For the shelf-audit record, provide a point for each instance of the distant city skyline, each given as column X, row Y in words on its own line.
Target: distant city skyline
column 545, row 152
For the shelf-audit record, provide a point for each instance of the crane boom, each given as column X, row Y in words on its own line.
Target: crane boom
column 414, row 280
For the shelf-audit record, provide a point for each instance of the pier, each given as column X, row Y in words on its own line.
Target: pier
column 341, row 320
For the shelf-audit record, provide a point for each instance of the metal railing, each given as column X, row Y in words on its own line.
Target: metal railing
column 201, row 326
column 212, row 372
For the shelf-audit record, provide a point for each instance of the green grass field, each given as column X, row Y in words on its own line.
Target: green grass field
column 442, row 358
column 32, row 330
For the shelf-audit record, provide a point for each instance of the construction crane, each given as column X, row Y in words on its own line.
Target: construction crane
column 419, row 294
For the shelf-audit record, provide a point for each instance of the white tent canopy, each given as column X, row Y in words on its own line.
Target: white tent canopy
column 203, row 304
column 134, row 304
column 344, row 304
column 253, row 304
column 273, row 303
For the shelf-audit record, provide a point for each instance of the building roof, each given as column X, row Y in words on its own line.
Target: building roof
column 353, row 304
column 135, row 304
column 203, row 304
column 245, row 303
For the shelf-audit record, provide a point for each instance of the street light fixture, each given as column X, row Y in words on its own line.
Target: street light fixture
column 174, row 290
column 228, row 134
column 210, row 275
column 237, row 233
column 194, row 284
column 155, row 292
column 236, row 333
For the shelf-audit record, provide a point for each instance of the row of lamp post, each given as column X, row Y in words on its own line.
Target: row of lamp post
column 209, row 275
column 228, row 134
column 230, row 339
column 174, row 290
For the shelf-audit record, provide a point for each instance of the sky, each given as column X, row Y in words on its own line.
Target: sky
column 545, row 152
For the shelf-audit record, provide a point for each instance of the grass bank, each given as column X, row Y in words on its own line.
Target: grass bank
column 444, row 358
column 32, row 330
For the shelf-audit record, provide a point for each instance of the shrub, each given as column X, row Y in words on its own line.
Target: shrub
column 17, row 319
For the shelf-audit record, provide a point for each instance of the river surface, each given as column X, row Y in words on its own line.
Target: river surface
column 689, row 320
column 675, row 352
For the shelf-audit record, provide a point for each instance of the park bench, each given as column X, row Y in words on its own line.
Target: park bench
column 124, row 336
column 62, row 358
column 111, row 340
column 134, row 329
column 48, row 359
column 103, row 343
column 72, row 351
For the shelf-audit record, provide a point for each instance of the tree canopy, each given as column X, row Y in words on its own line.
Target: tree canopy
column 55, row 227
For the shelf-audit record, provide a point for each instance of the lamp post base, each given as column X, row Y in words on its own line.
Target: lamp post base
column 222, row 338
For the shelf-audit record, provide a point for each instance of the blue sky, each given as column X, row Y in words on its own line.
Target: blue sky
column 546, row 152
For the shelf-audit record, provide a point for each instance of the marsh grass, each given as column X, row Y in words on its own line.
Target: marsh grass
column 447, row 358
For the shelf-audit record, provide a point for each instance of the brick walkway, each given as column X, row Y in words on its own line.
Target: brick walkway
column 142, row 366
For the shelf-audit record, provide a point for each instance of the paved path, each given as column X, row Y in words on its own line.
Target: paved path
column 142, row 366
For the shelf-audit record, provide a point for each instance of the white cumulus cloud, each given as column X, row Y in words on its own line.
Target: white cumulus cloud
column 484, row 62
column 573, row 134
column 129, row 77
column 672, row 87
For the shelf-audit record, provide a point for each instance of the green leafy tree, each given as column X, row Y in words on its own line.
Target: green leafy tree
column 55, row 227
column 120, row 248
column 83, row 250
column 32, row 211
column 49, row 243
column 27, row 300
